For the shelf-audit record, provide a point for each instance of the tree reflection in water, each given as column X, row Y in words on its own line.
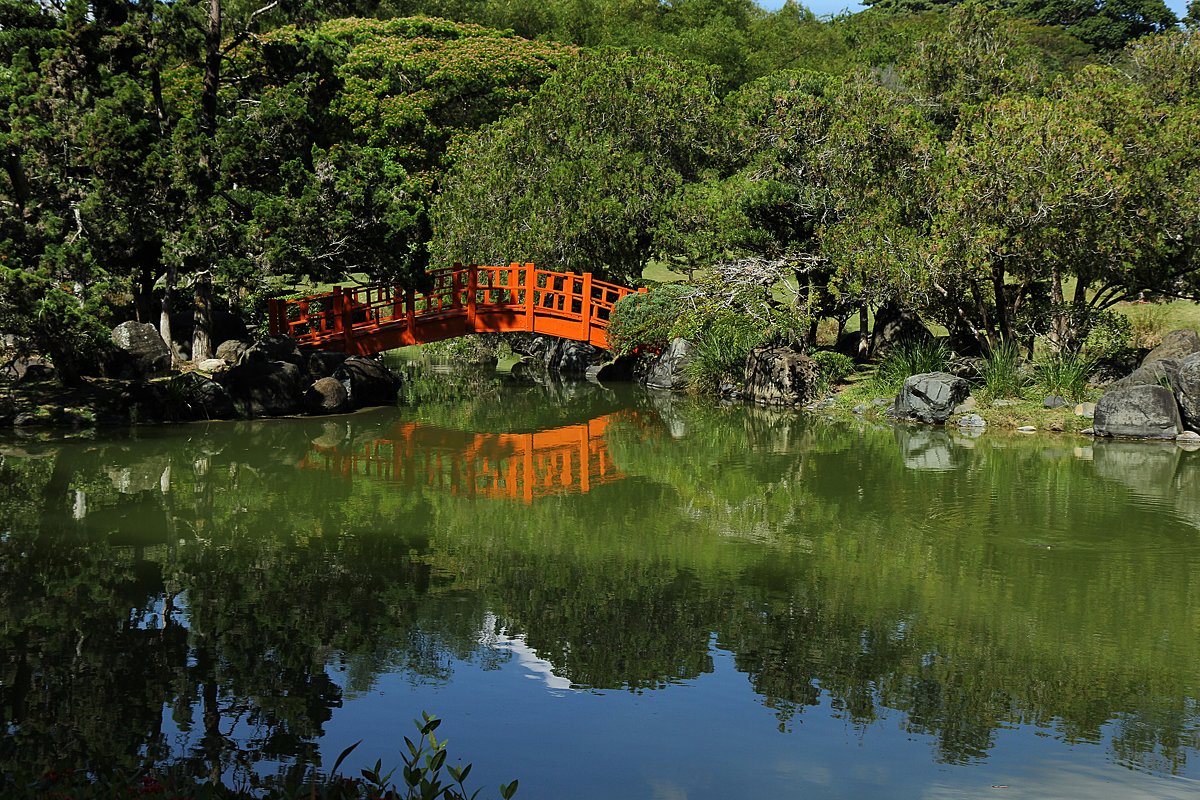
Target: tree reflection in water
column 207, row 597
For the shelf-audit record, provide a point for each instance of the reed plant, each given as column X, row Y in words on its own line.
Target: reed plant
column 1003, row 372
column 911, row 358
column 1065, row 375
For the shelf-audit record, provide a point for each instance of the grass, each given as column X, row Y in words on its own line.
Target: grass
column 1002, row 372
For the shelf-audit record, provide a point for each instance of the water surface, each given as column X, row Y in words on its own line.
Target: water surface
column 608, row 594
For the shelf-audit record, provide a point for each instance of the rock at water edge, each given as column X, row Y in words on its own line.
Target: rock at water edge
column 1138, row 412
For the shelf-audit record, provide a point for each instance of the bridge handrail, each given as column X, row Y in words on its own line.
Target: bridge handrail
column 339, row 317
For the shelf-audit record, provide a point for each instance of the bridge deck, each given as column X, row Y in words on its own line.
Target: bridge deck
column 462, row 301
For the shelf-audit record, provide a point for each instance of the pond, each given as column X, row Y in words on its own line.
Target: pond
column 608, row 593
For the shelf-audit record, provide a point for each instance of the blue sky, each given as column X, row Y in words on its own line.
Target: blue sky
column 834, row 6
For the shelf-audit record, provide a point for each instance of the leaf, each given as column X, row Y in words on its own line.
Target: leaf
column 342, row 757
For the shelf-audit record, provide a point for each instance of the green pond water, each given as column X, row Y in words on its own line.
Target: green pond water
column 607, row 593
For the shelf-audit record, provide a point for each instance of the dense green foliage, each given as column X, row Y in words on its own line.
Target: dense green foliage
column 970, row 162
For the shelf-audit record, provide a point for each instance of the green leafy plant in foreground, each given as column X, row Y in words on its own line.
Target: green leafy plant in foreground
column 424, row 776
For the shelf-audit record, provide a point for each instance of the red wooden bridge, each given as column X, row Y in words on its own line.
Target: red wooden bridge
column 512, row 466
column 463, row 300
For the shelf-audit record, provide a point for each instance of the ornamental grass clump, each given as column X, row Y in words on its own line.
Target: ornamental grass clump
column 1065, row 375
column 1003, row 372
column 912, row 358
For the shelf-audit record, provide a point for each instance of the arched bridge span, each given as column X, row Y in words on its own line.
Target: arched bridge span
column 462, row 301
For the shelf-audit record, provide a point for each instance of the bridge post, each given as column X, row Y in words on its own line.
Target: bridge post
column 410, row 313
column 339, row 305
column 472, row 290
column 585, row 309
column 530, row 286
column 455, row 286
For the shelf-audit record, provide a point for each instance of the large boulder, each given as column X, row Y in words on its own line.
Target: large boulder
column 1163, row 372
column 779, row 376
column 368, row 382
column 326, row 396
column 141, row 351
column 1176, row 345
column 202, row 397
column 274, row 348
column 323, row 363
column 1187, row 391
column 896, row 326
column 669, row 369
column 1138, row 412
column 930, row 397
column 263, row 388
column 231, row 350
column 568, row 357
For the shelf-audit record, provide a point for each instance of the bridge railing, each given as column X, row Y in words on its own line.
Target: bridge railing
column 568, row 303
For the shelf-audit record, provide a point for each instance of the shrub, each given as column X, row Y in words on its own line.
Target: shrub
column 831, row 368
column 1065, row 374
column 1110, row 334
column 720, row 350
column 1003, row 371
column 1148, row 322
column 645, row 320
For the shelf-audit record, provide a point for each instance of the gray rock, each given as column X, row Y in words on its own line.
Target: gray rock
column 1187, row 391
column 368, row 382
column 259, row 387
column 1085, row 410
column 930, row 397
column 621, row 369
column 1003, row 403
column 880, row 402
column 861, row 408
column 323, row 363
column 231, row 350
column 273, row 348
column 1188, row 436
column 142, row 352
column 326, row 396
column 972, row 421
column 1054, row 401
column 202, row 397
column 669, row 370
column 35, row 371
column 966, row 406
column 1088, row 432
column 1027, row 429
column 568, row 357
column 780, row 376
column 1163, row 372
column 1140, row 412
column 1176, row 345
column 212, row 365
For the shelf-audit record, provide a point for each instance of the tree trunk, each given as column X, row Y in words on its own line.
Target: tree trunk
column 202, row 317
column 164, row 319
column 864, row 333
column 212, row 82
column 1060, row 322
column 1004, row 320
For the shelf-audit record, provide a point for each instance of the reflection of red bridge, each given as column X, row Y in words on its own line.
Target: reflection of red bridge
column 463, row 300
column 495, row 465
